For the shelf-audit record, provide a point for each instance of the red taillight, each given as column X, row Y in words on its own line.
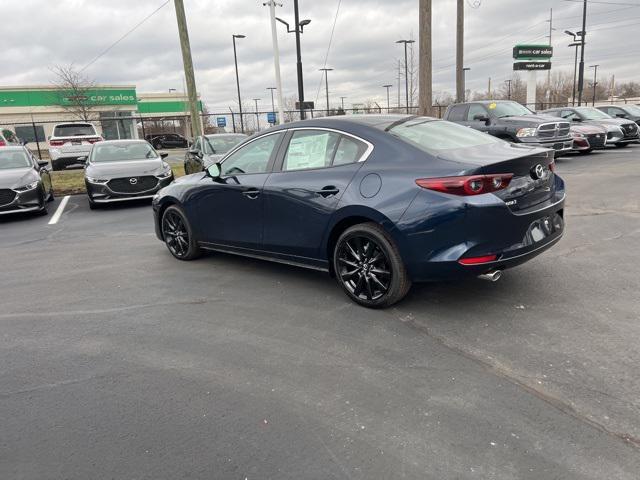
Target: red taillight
column 3, row 143
column 56, row 143
column 94, row 140
column 468, row 185
column 478, row 260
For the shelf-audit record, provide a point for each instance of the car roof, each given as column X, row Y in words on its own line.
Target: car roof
column 378, row 121
column 123, row 140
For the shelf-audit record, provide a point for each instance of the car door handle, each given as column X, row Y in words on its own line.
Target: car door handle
column 252, row 193
column 328, row 191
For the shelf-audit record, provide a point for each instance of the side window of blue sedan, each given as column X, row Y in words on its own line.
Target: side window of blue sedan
column 310, row 149
column 349, row 150
column 253, row 157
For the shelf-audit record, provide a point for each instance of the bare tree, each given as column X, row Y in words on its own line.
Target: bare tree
column 75, row 92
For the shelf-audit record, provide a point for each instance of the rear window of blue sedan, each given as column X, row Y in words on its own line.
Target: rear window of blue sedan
column 433, row 136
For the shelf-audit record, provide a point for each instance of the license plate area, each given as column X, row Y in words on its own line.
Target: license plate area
column 543, row 228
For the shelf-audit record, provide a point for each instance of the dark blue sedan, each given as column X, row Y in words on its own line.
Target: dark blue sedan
column 377, row 201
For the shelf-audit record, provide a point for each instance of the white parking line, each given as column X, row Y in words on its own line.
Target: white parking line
column 56, row 216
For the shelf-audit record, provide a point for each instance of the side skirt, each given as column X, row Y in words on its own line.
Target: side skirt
column 303, row 262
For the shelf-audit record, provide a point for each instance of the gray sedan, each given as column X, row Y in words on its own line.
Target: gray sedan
column 209, row 149
column 121, row 170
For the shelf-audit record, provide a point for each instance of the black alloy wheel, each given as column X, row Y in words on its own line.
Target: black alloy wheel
column 369, row 268
column 177, row 234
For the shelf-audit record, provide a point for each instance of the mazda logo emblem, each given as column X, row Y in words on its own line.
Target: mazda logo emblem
column 538, row 171
column 133, row 181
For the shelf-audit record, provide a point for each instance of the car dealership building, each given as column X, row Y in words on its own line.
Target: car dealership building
column 117, row 111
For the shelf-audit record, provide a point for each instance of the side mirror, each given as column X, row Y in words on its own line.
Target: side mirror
column 195, row 152
column 214, row 170
column 576, row 119
column 43, row 163
column 480, row 118
column 24, row 142
column 164, row 155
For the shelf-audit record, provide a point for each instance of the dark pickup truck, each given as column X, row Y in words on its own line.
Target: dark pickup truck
column 513, row 122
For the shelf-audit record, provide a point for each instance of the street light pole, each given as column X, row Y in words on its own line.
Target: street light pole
column 298, row 29
column 406, row 72
column 595, row 82
column 575, row 44
column 273, row 105
column 342, row 102
column 257, row 115
column 464, row 83
column 581, row 72
column 235, row 59
column 326, row 84
column 388, row 104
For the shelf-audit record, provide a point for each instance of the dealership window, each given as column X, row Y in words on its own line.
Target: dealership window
column 26, row 133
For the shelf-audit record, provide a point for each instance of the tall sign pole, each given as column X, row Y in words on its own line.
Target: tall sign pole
column 276, row 59
column 425, row 95
column 196, row 127
column 460, row 52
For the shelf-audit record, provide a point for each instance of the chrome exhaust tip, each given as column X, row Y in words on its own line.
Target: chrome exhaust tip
column 492, row 276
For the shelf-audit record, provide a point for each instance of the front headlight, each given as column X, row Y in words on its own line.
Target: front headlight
column 99, row 181
column 166, row 173
column 526, row 132
column 27, row 187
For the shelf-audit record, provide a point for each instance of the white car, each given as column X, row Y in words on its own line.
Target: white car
column 71, row 141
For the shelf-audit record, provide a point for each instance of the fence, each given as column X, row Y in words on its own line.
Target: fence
column 36, row 132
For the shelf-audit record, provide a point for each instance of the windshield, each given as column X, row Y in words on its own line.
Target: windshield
column 433, row 136
column 73, row 130
column 508, row 109
column 13, row 159
column 115, row 152
column 589, row 113
column 219, row 144
column 632, row 109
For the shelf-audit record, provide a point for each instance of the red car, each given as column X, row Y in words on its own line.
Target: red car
column 587, row 138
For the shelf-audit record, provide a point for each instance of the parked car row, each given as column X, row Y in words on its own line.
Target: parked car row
column 566, row 129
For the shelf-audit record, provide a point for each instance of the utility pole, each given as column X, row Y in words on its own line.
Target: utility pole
column 406, row 72
column 342, row 102
column 235, row 59
column 508, row 82
column 273, row 106
column 388, row 104
column 196, row 128
column 276, row 60
column 595, row 83
column 425, row 93
column 257, row 115
column 464, row 83
column 550, row 44
column 460, row 52
column 489, row 89
column 613, row 87
column 581, row 72
column 326, row 84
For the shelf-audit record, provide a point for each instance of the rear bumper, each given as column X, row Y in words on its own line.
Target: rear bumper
column 68, row 154
column 479, row 227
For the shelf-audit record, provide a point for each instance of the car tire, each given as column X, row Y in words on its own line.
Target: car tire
column 43, row 204
column 178, row 235
column 51, row 196
column 369, row 267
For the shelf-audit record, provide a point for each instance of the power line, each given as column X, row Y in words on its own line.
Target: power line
column 326, row 57
column 106, row 50
column 605, row 3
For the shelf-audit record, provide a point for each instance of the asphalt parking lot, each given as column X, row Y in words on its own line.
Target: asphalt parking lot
column 117, row 361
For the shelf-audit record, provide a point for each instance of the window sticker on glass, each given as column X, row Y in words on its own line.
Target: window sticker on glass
column 492, row 106
column 308, row 151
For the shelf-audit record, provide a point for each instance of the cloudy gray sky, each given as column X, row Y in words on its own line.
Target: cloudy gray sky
column 364, row 55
